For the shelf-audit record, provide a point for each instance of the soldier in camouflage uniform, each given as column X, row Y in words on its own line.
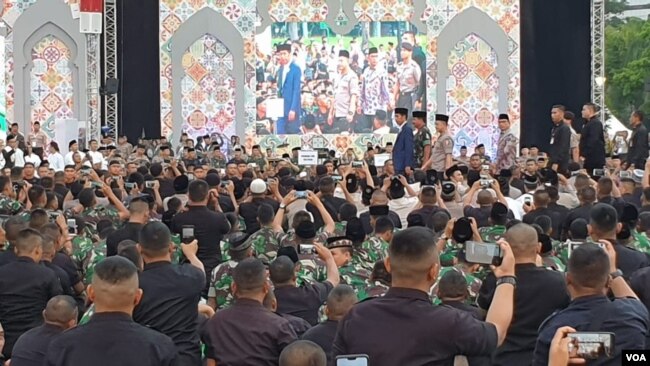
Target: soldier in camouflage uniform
column 468, row 271
column 9, row 206
column 498, row 219
column 265, row 243
column 218, row 159
column 257, row 158
column 93, row 213
column 351, row 274
column 422, row 139
column 220, row 294
column 641, row 242
column 380, row 280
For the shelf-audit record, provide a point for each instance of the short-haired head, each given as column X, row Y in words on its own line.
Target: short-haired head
column 523, row 240
column 340, row 301
column 413, row 256
column 115, row 285
column 155, row 239
column 588, row 268
column 303, row 353
column 61, row 310
column 28, row 243
column 282, row 270
column 250, row 277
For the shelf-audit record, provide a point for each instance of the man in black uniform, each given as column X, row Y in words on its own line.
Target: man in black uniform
column 339, row 302
column 530, row 308
column 111, row 337
column 247, row 333
column 407, row 311
column 592, row 140
column 303, row 353
column 25, row 288
column 560, row 149
column 60, row 314
column 638, row 152
column 171, row 293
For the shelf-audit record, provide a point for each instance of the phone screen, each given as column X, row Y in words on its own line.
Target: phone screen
column 187, row 233
column 72, row 226
column 591, row 345
column 352, row 360
column 301, row 194
column 483, row 253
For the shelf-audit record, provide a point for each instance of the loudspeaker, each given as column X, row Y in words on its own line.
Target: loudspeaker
column 111, row 86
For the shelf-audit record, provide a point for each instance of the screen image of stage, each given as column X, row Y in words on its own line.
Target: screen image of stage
column 333, row 84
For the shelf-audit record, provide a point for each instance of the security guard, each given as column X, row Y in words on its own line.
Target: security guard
column 407, row 311
column 422, row 139
column 408, row 79
column 442, row 152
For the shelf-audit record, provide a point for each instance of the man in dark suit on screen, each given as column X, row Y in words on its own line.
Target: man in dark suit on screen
column 288, row 79
column 403, row 149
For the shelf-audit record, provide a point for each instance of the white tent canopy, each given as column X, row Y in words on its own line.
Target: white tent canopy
column 613, row 125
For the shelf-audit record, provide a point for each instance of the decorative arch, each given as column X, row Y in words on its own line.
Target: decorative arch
column 207, row 21
column 47, row 18
column 473, row 20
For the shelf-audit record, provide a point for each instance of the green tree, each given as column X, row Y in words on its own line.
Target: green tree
column 627, row 60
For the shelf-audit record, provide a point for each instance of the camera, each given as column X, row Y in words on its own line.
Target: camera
column 150, row 184
column 485, row 183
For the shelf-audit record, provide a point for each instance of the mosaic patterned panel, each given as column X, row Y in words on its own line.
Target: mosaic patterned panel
column 472, row 94
column 173, row 13
column 51, row 88
column 12, row 10
column 208, row 89
column 505, row 13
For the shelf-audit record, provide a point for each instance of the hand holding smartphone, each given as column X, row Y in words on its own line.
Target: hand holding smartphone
column 483, row 253
column 187, row 234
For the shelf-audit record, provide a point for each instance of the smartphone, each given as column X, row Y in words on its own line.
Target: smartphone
column 96, row 184
column 485, row 167
column 85, row 171
column 72, row 226
column 357, row 164
column 187, row 233
column 352, row 360
column 224, row 183
column 252, row 165
column 528, row 200
column 128, row 185
column 150, row 184
column 337, row 178
column 485, row 183
column 222, row 171
column 572, row 245
column 301, row 194
column 598, row 172
column 483, row 253
column 625, row 174
column 54, row 215
column 591, row 345
column 306, row 249
column 190, row 177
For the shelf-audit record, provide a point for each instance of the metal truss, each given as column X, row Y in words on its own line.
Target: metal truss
column 110, row 64
column 598, row 55
column 92, row 89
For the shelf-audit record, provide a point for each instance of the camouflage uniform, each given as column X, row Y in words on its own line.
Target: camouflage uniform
column 220, row 284
column 177, row 255
column 265, row 243
column 641, row 242
column 377, row 289
column 473, row 284
column 553, row 262
column 86, row 255
column 261, row 162
column 290, row 239
column 420, row 141
column 492, row 234
column 87, row 315
column 357, row 277
column 312, row 269
column 98, row 213
column 449, row 252
column 217, row 163
column 339, row 229
column 9, row 206
column 376, row 249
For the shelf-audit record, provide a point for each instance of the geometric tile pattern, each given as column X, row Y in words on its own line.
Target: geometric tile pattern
column 472, row 93
column 208, row 88
column 51, row 88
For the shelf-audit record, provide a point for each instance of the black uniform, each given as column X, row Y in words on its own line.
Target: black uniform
column 25, row 289
column 303, row 301
column 418, row 333
column 108, row 339
column 365, row 221
column 529, row 312
column 247, row 334
column 592, row 145
column 581, row 212
column 559, row 152
column 638, row 151
column 31, row 347
column 169, row 305
column 323, row 335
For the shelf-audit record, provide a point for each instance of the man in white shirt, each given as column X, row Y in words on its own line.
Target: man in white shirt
column 96, row 157
column 55, row 158
column 73, row 148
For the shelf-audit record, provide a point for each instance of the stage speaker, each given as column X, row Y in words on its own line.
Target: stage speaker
column 111, row 86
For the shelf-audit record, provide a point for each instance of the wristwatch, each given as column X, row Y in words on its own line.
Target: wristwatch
column 616, row 274
column 507, row 279
column 282, row 206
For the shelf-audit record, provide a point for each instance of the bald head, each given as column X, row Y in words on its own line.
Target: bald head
column 303, row 353
column 378, row 198
column 523, row 241
column 340, row 301
column 115, row 285
column 61, row 310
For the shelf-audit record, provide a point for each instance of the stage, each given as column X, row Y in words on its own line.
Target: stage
column 209, row 67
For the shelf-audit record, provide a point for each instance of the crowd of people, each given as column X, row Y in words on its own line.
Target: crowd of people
column 199, row 253
column 333, row 88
